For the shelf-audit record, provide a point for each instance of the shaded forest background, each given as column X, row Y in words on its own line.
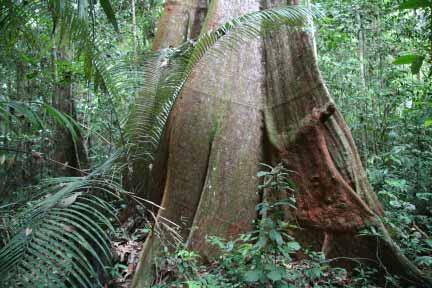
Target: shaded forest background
column 69, row 92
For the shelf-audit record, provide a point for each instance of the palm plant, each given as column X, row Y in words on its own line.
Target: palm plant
column 60, row 239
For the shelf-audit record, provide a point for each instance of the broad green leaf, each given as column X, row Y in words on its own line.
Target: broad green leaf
column 314, row 273
column 406, row 59
column 2, row 159
column 262, row 173
column 276, row 236
column 252, row 276
column 424, row 261
column 417, row 64
column 293, row 246
column 395, row 204
column 428, row 123
column 193, row 284
column 66, row 202
column 415, row 4
column 274, row 275
column 64, row 121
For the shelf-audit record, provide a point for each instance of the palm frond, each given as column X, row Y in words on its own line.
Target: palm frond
column 16, row 114
column 66, row 236
column 162, row 74
column 15, row 15
column 62, row 239
column 72, row 21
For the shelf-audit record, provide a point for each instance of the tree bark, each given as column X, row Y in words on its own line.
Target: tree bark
column 216, row 142
column 181, row 21
column 68, row 152
column 207, row 168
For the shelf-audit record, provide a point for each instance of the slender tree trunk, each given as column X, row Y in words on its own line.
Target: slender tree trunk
column 217, row 141
column 21, row 82
column 21, row 95
column 134, row 28
column 69, row 153
column 364, row 91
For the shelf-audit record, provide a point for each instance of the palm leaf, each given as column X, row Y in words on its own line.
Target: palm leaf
column 61, row 239
column 72, row 242
column 16, row 114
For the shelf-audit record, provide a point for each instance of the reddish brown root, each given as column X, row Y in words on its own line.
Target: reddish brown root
column 325, row 199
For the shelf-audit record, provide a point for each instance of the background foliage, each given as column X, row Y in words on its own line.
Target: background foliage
column 387, row 103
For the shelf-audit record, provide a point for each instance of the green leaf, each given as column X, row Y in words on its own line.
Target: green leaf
column 428, row 123
column 314, row 273
column 66, row 202
column 262, row 174
column 293, row 246
column 275, row 275
column 417, row 64
column 395, row 204
column 262, row 242
column 109, row 12
column 45, row 253
column 252, row 276
column 276, row 236
column 415, row 4
column 64, row 121
column 193, row 284
column 406, row 59
column 424, row 261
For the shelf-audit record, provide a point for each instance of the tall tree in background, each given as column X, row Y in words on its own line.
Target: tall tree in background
column 218, row 136
column 69, row 149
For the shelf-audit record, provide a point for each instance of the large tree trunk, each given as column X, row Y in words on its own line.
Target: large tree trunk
column 216, row 141
column 206, row 165
column 210, row 176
